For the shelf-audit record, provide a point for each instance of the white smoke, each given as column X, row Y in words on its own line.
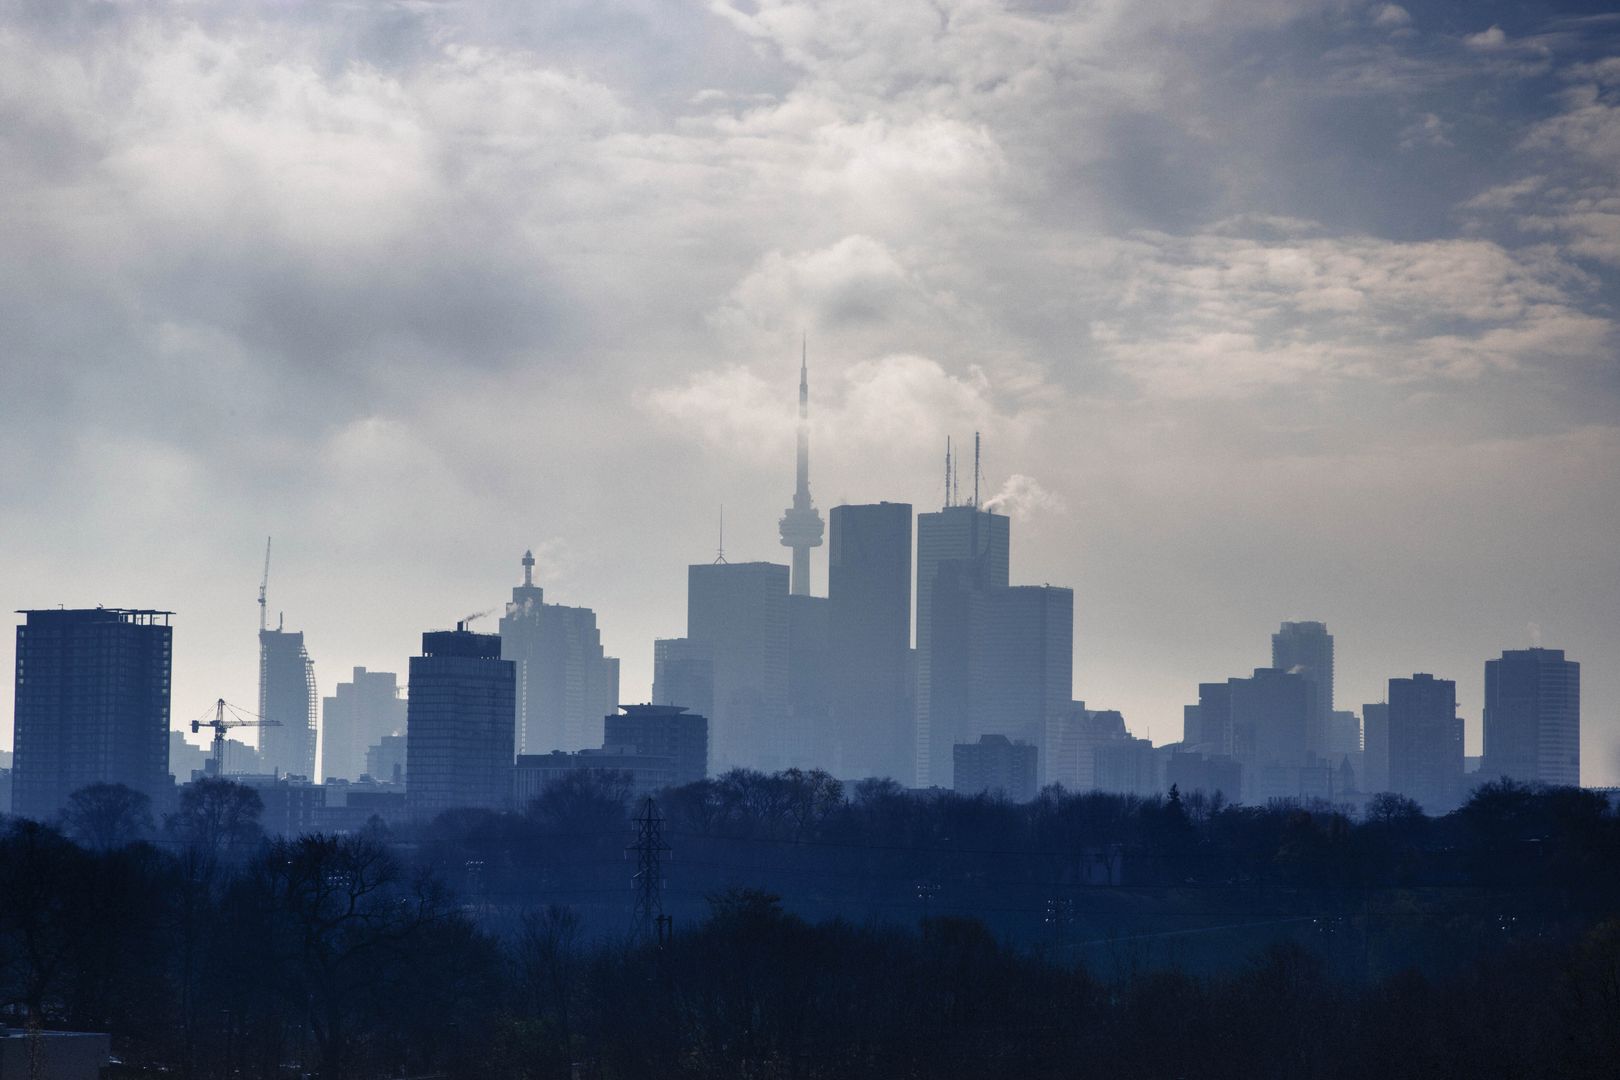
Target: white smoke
column 1535, row 634
column 1022, row 496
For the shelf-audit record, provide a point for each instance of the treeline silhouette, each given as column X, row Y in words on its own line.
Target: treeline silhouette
column 821, row 933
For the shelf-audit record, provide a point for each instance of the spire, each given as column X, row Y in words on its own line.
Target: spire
column 720, row 555
column 528, row 569
column 975, row 470
column 801, row 527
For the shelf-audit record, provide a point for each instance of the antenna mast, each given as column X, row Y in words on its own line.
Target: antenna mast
column 947, row 470
column 975, row 470
column 720, row 556
column 264, row 584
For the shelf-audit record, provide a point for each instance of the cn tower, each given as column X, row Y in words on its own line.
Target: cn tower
column 801, row 526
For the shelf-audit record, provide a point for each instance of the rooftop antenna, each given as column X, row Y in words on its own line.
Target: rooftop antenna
column 947, row 470
column 720, row 556
column 975, row 470
column 264, row 584
column 956, row 480
column 528, row 568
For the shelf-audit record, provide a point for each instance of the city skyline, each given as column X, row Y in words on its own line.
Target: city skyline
column 1231, row 328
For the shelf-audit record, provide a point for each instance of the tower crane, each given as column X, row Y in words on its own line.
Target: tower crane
column 216, row 759
column 264, row 585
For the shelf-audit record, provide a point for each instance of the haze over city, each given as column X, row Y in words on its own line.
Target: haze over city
column 1266, row 311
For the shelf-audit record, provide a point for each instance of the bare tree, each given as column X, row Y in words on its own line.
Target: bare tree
column 105, row 817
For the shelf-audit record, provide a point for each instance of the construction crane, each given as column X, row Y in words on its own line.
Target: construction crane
column 264, row 586
column 239, row 718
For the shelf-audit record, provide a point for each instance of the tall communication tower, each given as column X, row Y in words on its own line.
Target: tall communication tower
column 648, row 921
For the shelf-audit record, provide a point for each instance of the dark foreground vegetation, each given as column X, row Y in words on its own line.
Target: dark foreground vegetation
column 1119, row 936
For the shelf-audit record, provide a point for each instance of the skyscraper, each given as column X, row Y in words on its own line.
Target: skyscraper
column 1533, row 717
column 869, row 634
column 1021, row 662
column 566, row 684
column 355, row 718
column 1425, row 742
column 459, row 735
column 969, row 546
column 287, row 696
column 92, row 705
column 1271, row 713
column 1375, row 747
column 737, row 615
column 801, row 526
column 1306, row 649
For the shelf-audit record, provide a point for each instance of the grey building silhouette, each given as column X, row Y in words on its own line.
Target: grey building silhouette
column 1021, row 661
column 1426, row 742
column 1130, row 766
column 385, row 762
column 806, row 738
column 1072, row 739
column 969, row 546
column 565, row 682
column 683, row 674
column 996, row 765
column 1306, row 649
column 1533, row 717
column 664, row 731
column 869, row 635
column 1271, row 716
column 1209, row 723
column 357, row 715
column 287, row 696
column 1375, row 748
column 458, row 733
column 737, row 614
column 91, row 705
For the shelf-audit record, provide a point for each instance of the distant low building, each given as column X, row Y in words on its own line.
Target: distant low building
column 663, row 731
column 350, row 805
column 997, row 765
column 385, row 762
column 1129, row 766
column 648, row 773
column 1209, row 773
column 1072, row 739
column 292, row 806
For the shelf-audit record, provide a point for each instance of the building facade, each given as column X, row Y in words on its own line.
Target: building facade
column 1533, row 717
column 355, row 718
column 869, row 642
column 1306, row 649
column 565, row 681
column 663, row 731
column 459, row 737
column 970, row 547
column 737, row 615
column 994, row 765
column 289, row 700
column 1426, row 742
column 91, row 706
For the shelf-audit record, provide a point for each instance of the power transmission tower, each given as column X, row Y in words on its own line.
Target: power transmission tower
column 648, row 921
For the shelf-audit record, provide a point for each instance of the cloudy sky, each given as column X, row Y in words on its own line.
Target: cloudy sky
column 1266, row 310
